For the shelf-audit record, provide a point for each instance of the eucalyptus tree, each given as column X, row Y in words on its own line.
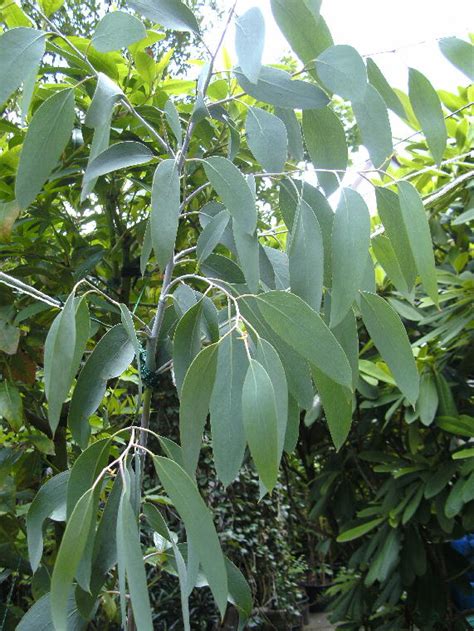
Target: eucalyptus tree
column 252, row 287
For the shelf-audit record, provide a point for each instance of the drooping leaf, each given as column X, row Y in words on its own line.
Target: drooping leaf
column 303, row 27
column 259, row 414
column 337, row 403
column 166, row 201
column 293, row 130
column 119, row 156
column 172, row 116
column 250, row 42
column 39, row 616
column 386, row 257
column 350, row 244
column 459, row 53
column 50, row 501
column 112, row 355
column 85, row 471
column 21, row 49
column 106, row 95
column 45, row 140
column 391, row 339
column 427, row 108
column 11, row 405
column 306, row 256
column 71, row 550
column 233, row 189
column 172, row 14
column 292, row 426
column 211, row 236
column 228, row 441
column 428, row 399
column 117, row 30
column 374, row 125
column 359, row 531
column 419, row 237
column 59, row 356
column 248, row 250
column 267, row 138
column 303, row 329
column 348, row 337
column 277, row 88
column 195, row 402
column 342, row 70
column 187, row 342
column 385, row 90
column 198, row 522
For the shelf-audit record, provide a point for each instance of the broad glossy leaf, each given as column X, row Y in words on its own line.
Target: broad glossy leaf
column 187, row 342
column 259, row 413
column 172, row 14
column 166, row 201
column 306, row 256
column 391, row 339
column 45, row 140
column 117, row 30
column 428, row 400
column 342, row 70
column 276, row 87
column 427, row 108
column 267, row 138
column 194, row 404
column 459, row 53
column 455, row 502
column 118, row 156
column 11, row 405
column 211, row 236
column 419, row 237
column 337, row 404
column 388, row 206
column 233, row 189
column 267, row 356
column 106, row 96
column 326, row 141
column 21, row 49
column 59, row 356
column 350, row 245
column 359, row 531
column 374, row 125
column 303, row 27
column 303, row 329
column 248, row 250
column 112, row 355
column 387, row 258
column 250, row 42
column 129, row 551
column 50, row 501
column 293, row 130
column 228, row 440
column 385, row 90
column 199, row 526
column 71, row 550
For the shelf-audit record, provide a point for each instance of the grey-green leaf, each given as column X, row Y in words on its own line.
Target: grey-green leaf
column 342, row 70
column 39, row 616
column 117, row 30
column 267, row 138
column 187, row 342
column 326, row 141
column 250, row 42
column 391, row 339
column 337, row 404
column 172, row 14
column 387, row 258
column 306, row 256
column 165, row 200
column 198, row 523
column 277, row 88
column 385, row 90
column 106, row 95
column 112, row 355
column 427, row 108
column 293, row 130
column 233, row 189
column 50, row 501
column 21, row 49
column 45, row 140
column 249, row 255
column 259, row 414
column 119, row 156
column 459, row 53
column 303, row 329
column 228, row 441
column 374, row 125
column 194, row 404
column 211, row 236
column 172, row 116
column 350, row 244
column 347, row 335
column 419, row 237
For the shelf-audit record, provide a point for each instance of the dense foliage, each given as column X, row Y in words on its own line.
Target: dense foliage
column 151, row 224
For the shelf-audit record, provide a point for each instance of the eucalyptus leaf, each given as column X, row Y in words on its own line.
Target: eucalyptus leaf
column 250, row 42
column 293, row 130
column 342, row 70
column 459, row 53
column 249, row 255
column 166, row 203
column 337, row 404
column 119, row 156
column 374, row 125
column 380, row 83
column 211, row 236
column 106, row 96
column 387, row 258
column 172, row 14
column 117, row 30
column 186, row 343
column 267, row 138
